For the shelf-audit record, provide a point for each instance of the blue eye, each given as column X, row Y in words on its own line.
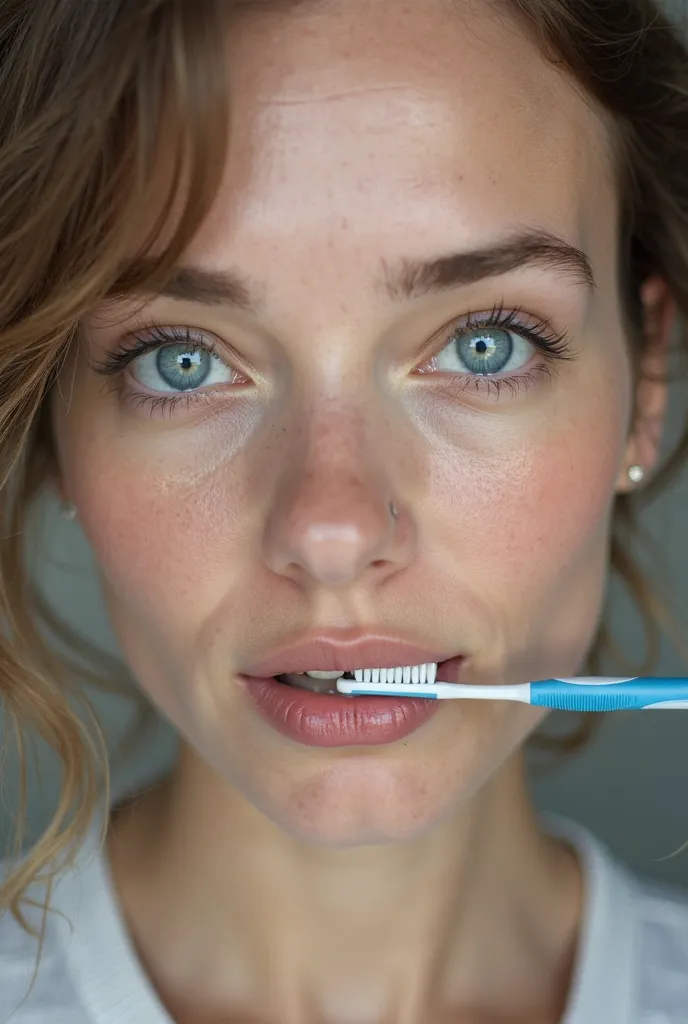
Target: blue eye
column 176, row 364
column 180, row 368
column 484, row 351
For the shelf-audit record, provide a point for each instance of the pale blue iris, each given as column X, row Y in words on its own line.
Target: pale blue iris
column 484, row 350
column 183, row 368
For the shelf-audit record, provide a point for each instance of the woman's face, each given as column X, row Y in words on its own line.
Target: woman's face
column 252, row 508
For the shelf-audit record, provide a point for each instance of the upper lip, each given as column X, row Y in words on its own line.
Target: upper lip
column 344, row 651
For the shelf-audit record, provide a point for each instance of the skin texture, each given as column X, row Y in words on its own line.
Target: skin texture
column 230, row 524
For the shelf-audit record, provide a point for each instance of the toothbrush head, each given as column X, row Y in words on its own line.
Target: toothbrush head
column 361, row 688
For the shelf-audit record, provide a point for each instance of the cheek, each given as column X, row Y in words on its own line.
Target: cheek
column 162, row 546
column 529, row 534
column 162, row 532
column 172, row 588
column 561, row 499
column 555, row 503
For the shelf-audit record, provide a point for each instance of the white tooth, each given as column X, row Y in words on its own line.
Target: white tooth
column 425, row 673
column 324, row 675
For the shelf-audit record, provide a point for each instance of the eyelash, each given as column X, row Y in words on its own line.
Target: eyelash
column 555, row 345
column 153, row 337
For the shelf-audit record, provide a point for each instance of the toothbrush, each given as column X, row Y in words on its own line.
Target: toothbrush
column 585, row 693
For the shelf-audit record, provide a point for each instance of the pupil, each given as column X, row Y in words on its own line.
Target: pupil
column 481, row 347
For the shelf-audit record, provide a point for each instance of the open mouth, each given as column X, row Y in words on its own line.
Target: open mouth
column 326, row 682
column 307, row 707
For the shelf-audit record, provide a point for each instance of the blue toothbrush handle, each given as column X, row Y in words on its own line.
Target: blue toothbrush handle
column 624, row 694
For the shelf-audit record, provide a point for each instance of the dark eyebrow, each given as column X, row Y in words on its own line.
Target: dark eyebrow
column 188, row 284
column 404, row 279
column 410, row 279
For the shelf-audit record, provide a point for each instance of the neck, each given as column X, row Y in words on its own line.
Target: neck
column 481, row 913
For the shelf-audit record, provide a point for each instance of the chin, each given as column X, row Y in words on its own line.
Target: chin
column 363, row 800
column 356, row 796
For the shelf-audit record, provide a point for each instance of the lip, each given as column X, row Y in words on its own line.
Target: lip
column 334, row 720
column 344, row 651
column 319, row 720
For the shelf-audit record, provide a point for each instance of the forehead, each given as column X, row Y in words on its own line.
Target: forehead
column 438, row 118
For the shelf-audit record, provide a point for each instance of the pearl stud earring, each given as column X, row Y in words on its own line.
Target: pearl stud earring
column 68, row 510
column 636, row 474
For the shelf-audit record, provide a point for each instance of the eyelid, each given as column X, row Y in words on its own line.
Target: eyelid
column 504, row 318
column 149, row 337
column 538, row 331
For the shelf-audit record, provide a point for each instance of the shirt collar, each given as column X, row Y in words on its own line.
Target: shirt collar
column 602, row 987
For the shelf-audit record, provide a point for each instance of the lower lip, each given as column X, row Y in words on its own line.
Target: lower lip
column 319, row 720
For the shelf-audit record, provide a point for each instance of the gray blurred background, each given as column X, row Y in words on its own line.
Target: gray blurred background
column 629, row 785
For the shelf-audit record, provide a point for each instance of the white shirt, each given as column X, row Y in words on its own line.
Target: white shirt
column 632, row 961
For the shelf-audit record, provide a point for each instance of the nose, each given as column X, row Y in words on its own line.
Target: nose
column 336, row 529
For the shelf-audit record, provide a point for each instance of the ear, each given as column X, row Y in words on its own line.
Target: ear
column 651, row 398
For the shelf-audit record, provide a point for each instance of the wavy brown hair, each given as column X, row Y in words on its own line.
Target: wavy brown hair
column 106, row 108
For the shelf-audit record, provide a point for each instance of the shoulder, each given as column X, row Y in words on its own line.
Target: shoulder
column 633, row 945
column 661, row 914
column 50, row 999
column 656, row 928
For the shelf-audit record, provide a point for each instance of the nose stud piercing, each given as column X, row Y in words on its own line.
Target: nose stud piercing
column 393, row 510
